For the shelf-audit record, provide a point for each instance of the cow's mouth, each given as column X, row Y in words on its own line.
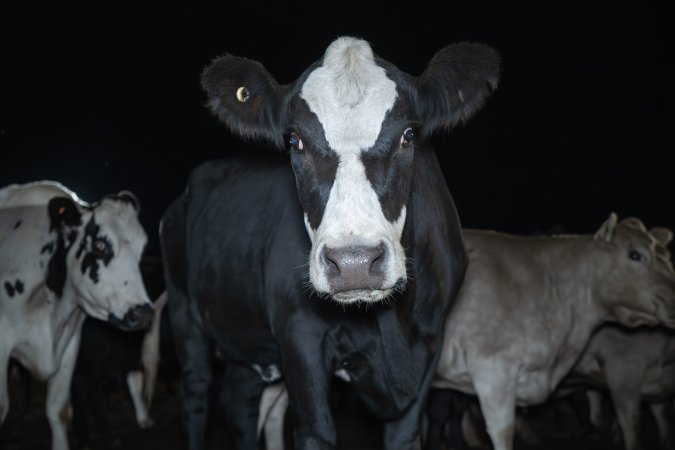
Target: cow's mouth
column 137, row 318
column 362, row 295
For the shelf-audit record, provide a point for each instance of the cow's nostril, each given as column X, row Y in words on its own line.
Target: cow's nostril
column 378, row 258
column 330, row 259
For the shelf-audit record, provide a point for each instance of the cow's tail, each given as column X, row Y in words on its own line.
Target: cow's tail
column 150, row 351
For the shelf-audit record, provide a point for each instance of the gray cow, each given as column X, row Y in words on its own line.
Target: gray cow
column 528, row 306
column 635, row 366
column 60, row 261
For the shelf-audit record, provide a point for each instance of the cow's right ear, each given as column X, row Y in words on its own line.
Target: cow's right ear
column 606, row 231
column 662, row 234
column 63, row 211
column 244, row 96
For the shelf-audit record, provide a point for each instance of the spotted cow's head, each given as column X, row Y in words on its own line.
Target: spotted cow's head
column 101, row 248
column 352, row 123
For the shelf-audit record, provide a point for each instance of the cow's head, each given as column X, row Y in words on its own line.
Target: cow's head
column 352, row 123
column 638, row 282
column 102, row 246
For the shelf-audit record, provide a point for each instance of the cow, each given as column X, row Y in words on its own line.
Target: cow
column 339, row 257
column 541, row 298
column 635, row 366
column 59, row 262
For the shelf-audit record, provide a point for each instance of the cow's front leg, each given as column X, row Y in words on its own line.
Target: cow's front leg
column 495, row 387
column 4, row 390
column 240, row 391
column 58, row 394
column 307, row 381
column 664, row 418
column 625, row 393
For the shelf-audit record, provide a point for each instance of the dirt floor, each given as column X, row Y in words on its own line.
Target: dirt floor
column 26, row 427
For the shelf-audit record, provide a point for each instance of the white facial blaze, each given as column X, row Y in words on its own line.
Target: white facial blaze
column 351, row 96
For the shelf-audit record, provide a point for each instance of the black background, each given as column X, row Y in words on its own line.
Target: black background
column 104, row 96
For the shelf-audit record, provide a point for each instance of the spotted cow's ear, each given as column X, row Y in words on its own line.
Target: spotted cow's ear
column 63, row 211
column 128, row 197
column 245, row 97
column 455, row 85
column 606, row 230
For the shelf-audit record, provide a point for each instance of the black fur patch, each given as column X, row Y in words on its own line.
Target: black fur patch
column 47, row 248
column 17, row 225
column 57, row 269
column 92, row 257
column 16, row 288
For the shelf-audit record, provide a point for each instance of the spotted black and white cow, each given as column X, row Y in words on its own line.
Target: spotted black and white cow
column 61, row 260
column 386, row 255
column 542, row 297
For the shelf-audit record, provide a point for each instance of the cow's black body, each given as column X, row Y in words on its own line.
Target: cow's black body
column 235, row 251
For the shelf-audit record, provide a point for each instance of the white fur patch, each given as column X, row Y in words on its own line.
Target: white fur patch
column 351, row 96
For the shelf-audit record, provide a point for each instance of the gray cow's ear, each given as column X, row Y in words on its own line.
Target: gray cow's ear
column 604, row 234
column 455, row 84
column 246, row 98
column 63, row 211
column 662, row 234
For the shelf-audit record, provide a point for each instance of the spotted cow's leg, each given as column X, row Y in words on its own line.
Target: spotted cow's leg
column 4, row 389
column 58, row 394
column 495, row 387
column 135, row 385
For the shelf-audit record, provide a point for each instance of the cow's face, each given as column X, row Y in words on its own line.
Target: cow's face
column 352, row 123
column 639, row 282
column 103, row 260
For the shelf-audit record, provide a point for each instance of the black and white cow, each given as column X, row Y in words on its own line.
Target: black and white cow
column 386, row 255
column 542, row 297
column 60, row 261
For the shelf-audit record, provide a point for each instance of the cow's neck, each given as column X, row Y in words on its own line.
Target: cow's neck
column 67, row 317
column 584, row 313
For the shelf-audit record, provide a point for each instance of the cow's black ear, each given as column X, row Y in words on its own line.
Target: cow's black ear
column 455, row 84
column 128, row 197
column 245, row 97
column 63, row 211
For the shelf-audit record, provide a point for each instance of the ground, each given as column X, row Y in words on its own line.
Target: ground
column 26, row 427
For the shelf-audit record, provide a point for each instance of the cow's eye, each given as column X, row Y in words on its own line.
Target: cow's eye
column 100, row 246
column 293, row 141
column 407, row 136
column 635, row 255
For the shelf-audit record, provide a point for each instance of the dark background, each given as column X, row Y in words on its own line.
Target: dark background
column 104, row 96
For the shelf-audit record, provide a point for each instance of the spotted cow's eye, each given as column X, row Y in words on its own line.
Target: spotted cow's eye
column 293, row 141
column 407, row 136
column 635, row 255
column 100, row 246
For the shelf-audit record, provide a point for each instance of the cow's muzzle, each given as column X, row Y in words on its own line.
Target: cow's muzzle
column 137, row 318
column 355, row 268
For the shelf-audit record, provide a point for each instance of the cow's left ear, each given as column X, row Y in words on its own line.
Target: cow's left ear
column 128, row 197
column 455, row 84
column 63, row 211
column 662, row 234
column 245, row 97
column 606, row 230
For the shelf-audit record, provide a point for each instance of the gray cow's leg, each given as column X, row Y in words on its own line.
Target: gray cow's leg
column 495, row 387
column 665, row 419
column 626, row 398
column 273, row 406
column 58, row 394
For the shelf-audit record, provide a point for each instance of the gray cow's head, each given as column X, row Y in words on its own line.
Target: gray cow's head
column 101, row 247
column 352, row 123
column 638, row 279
